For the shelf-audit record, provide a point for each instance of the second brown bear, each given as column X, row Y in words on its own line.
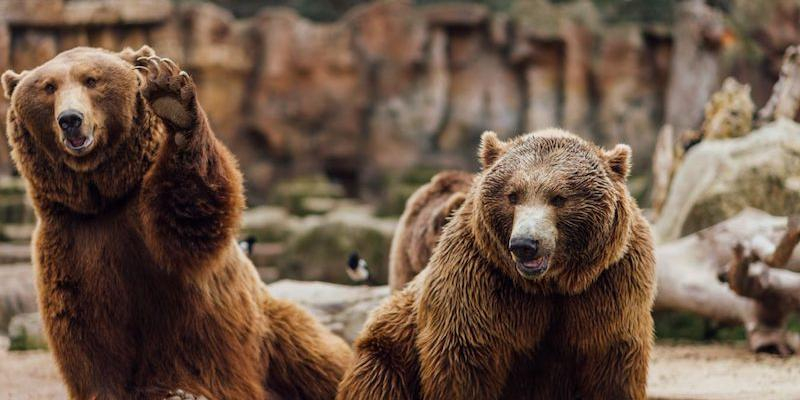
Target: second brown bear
column 540, row 287
column 426, row 212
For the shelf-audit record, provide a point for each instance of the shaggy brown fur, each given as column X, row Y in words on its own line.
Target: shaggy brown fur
column 426, row 212
column 471, row 326
column 141, row 285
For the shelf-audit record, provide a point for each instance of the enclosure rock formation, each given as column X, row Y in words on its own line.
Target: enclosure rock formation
column 17, row 293
column 699, row 32
column 390, row 86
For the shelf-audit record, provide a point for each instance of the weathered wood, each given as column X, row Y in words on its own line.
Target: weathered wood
column 785, row 99
column 750, row 291
column 783, row 252
column 664, row 163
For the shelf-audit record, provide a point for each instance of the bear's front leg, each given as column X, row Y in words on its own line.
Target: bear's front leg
column 386, row 364
column 451, row 368
column 618, row 372
column 465, row 337
column 192, row 197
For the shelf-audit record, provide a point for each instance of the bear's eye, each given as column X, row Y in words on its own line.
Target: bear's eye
column 91, row 82
column 50, row 88
column 513, row 198
column 557, row 201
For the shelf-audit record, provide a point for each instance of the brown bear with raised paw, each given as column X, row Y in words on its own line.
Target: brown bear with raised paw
column 540, row 287
column 426, row 213
column 142, row 287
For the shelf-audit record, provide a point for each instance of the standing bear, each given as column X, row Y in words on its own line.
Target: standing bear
column 142, row 287
column 540, row 287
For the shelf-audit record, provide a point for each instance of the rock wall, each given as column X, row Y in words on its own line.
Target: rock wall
column 391, row 86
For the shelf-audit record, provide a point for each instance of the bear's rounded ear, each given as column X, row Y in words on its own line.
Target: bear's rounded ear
column 491, row 149
column 10, row 80
column 130, row 55
column 446, row 211
column 619, row 161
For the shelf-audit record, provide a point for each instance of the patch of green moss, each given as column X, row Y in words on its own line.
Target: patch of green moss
column 292, row 194
column 395, row 190
column 321, row 253
column 685, row 326
column 393, row 201
column 24, row 341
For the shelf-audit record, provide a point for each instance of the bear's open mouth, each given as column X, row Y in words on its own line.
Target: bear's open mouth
column 80, row 144
column 532, row 268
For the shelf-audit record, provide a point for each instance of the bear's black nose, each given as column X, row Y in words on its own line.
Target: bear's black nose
column 70, row 121
column 524, row 249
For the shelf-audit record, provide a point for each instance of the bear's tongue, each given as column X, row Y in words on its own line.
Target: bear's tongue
column 536, row 263
column 77, row 141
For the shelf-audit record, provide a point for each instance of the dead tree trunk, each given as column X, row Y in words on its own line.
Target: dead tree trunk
column 746, row 251
column 785, row 99
column 664, row 164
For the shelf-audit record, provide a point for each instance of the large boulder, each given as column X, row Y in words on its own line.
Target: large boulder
column 719, row 178
column 26, row 332
column 17, row 293
column 343, row 309
column 319, row 246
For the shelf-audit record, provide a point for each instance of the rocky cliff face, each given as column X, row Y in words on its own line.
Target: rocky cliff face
column 391, row 86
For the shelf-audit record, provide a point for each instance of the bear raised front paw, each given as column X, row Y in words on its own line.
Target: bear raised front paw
column 169, row 90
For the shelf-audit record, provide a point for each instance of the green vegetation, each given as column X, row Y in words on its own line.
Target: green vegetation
column 685, row 326
column 295, row 194
column 23, row 341
column 321, row 252
column 613, row 11
column 638, row 11
column 397, row 189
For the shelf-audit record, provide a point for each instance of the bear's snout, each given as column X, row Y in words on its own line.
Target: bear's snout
column 72, row 127
column 524, row 249
column 529, row 258
column 532, row 239
column 70, row 122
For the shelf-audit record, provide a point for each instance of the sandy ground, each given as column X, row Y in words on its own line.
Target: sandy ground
column 678, row 372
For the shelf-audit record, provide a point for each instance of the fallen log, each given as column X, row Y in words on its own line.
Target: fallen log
column 728, row 273
column 785, row 99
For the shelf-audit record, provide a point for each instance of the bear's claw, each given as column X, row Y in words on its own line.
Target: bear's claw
column 183, row 395
column 169, row 90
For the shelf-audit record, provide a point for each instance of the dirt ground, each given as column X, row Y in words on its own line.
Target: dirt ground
column 678, row 372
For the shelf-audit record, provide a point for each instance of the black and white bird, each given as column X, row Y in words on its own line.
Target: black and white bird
column 357, row 268
column 247, row 245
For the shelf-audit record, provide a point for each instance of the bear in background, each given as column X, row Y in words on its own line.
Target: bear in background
column 142, row 287
column 540, row 287
column 419, row 228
